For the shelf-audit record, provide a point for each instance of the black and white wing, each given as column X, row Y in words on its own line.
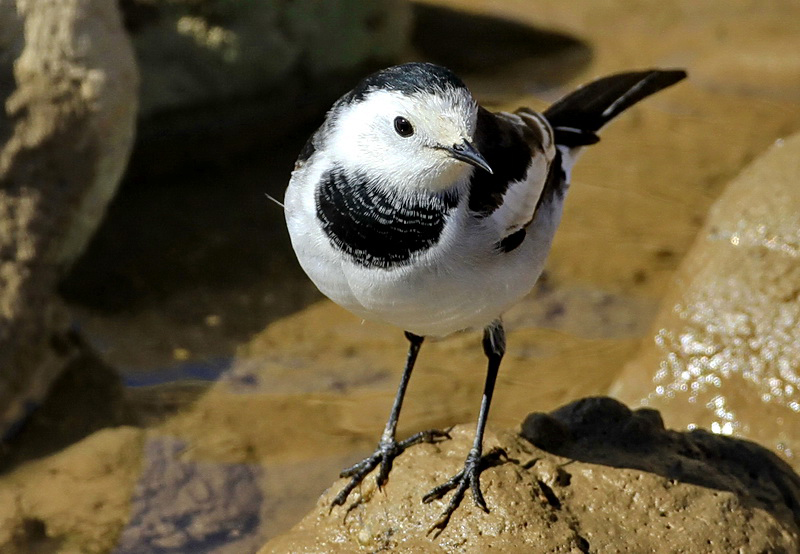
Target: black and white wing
column 519, row 147
column 577, row 117
column 532, row 154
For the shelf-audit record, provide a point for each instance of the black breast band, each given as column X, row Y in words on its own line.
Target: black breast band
column 376, row 228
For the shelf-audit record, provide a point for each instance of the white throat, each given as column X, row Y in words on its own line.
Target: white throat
column 364, row 141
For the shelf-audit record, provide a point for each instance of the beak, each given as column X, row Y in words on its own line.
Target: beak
column 469, row 154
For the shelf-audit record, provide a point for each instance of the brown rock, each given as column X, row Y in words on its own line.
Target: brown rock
column 726, row 348
column 620, row 482
column 76, row 500
column 68, row 86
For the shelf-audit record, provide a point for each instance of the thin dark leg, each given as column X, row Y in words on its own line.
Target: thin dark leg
column 494, row 346
column 388, row 448
column 415, row 343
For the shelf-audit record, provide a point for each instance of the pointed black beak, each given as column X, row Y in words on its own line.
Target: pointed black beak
column 469, row 154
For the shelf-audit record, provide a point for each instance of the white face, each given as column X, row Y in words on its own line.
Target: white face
column 364, row 137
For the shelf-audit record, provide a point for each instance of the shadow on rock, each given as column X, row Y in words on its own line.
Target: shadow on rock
column 87, row 396
column 604, row 431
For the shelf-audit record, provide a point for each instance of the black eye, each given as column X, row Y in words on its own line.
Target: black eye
column 403, row 127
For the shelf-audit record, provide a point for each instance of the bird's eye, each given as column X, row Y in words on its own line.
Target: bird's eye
column 403, row 127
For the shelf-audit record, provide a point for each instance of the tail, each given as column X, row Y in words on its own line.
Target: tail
column 577, row 117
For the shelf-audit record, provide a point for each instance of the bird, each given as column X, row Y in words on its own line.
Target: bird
column 415, row 206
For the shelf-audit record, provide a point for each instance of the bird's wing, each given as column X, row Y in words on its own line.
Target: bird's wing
column 532, row 154
column 577, row 117
column 519, row 148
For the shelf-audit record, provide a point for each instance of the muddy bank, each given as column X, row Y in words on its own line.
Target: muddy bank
column 591, row 476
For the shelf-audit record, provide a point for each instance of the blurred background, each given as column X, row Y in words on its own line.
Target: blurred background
column 198, row 394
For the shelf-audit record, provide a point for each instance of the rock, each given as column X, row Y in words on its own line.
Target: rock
column 725, row 353
column 194, row 53
column 68, row 89
column 619, row 482
column 76, row 500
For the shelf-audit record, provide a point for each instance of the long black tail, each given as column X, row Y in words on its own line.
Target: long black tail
column 578, row 116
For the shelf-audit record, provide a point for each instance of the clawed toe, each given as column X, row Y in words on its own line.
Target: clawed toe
column 431, row 436
column 384, row 456
column 467, row 478
column 357, row 474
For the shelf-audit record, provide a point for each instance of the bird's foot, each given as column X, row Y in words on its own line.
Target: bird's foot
column 467, row 478
column 384, row 456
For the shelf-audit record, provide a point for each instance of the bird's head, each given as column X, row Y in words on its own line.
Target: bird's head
column 410, row 126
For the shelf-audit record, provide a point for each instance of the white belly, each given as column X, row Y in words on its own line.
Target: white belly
column 458, row 284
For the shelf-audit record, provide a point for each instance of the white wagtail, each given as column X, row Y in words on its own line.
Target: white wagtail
column 415, row 206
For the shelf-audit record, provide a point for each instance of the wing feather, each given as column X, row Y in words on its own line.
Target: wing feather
column 519, row 146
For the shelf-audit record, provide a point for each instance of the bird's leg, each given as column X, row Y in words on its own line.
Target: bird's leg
column 388, row 448
column 494, row 345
